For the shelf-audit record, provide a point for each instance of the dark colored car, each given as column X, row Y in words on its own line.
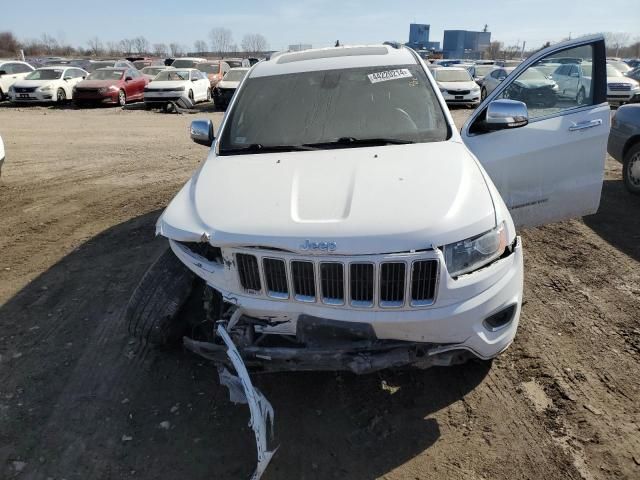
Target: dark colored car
column 635, row 74
column 533, row 87
column 110, row 86
column 624, row 144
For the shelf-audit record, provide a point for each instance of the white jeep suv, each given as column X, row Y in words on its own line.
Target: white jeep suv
column 340, row 220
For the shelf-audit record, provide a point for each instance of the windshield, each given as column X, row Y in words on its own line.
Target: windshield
column 173, row 75
column 208, row 67
column 49, row 74
column 234, row 63
column 106, row 75
column 452, row 76
column 322, row 109
column 96, row 65
column 183, row 63
column 234, row 75
column 532, row 74
column 152, row 70
column 482, row 70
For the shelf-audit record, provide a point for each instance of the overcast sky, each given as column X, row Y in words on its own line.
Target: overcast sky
column 318, row 22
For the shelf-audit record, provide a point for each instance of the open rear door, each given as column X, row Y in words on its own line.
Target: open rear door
column 552, row 168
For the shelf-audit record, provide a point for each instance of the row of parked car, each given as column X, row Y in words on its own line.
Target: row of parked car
column 553, row 80
column 119, row 82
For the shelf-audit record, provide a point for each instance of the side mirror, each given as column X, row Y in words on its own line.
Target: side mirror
column 128, row 79
column 201, row 131
column 501, row 78
column 502, row 114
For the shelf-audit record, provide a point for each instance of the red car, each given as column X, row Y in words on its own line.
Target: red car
column 110, row 85
column 215, row 70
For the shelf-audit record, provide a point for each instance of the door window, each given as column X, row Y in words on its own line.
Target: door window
column 548, row 89
column 21, row 68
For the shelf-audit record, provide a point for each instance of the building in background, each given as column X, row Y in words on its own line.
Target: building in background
column 465, row 44
column 419, row 37
column 299, row 46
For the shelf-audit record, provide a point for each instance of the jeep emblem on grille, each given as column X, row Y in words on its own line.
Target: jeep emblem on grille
column 322, row 246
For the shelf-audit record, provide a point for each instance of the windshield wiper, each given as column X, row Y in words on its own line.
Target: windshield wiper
column 259, row 148
column 359, row 142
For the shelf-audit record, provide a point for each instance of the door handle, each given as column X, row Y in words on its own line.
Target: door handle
column 584, row 125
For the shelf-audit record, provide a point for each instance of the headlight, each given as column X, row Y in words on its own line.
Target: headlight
column 179, row 89
column 46, row 88
column 554, row 87
column 475, row 89
column 113, row 88
column 11, row 89
column 636, row 86
column 443, row 90
column 476, row 252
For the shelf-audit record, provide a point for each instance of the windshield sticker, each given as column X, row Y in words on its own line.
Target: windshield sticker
column 389, row 75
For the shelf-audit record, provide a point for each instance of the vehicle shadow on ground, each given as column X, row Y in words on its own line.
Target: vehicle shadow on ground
column 81, row 399
column 617, row 220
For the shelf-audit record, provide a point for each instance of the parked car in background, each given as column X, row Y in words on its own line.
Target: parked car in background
column 479, row 71
column 225, row 89
column 187, row 62
column 621, row 88
column 47, row 84
column 10, row 72
column 172, row 84
column 619, row 65
column 574, row 81
column 93, row 65
column 493, row 79
column 140, row 63
column 457, row 86
column 508, row 63
column 2, row 155
column 150, row 72
column 238, row 62
column 624, row 144
column 214, row 69
column 115, row 86
column 534, row 88
column 635, row 74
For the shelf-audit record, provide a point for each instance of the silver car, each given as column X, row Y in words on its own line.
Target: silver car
column 493, row 79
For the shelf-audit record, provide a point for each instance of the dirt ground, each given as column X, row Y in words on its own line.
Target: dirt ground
column 81, row 190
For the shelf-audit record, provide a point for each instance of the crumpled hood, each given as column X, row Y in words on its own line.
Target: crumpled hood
column 32, row 83
column 367, row 200
column 96, row 83
column 470, row 85
column 169, row 84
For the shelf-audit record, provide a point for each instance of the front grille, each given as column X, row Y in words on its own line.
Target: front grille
column 304, row 282
column 361, row 285
column 459, row 92
column 332, row 283
column 622, row 87
column 248, row 272
column 275, row 278
column 392, row 284
column 423, row 282
column 87, row 90
column 401, row 282
column 25, row 89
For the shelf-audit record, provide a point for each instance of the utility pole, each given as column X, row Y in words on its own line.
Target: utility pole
column 524, row 42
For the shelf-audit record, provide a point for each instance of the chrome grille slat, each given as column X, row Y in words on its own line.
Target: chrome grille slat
column 423, row 282
column 362, row 284
column 275, row 278
column 332, row 282
column 304, row 285
column 392, row 280
column 248, row 272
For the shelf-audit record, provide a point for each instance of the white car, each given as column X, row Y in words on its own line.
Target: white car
column 10, row 72
column 1, row 155
column 341, row 221
column 575, row 79
column 47, row 84
column 187, row 62
column 172, row 84
column 224, row 90
column 457, row 86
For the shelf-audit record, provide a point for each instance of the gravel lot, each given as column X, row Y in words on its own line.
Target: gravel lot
column 81, row 190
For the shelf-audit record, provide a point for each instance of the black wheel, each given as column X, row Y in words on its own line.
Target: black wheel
column 122, row 98
column 631, row 169
column 61, row 95
column 191, row 96
column 581, row 97
column 208, row 94
column 154, row 305
column 1, row 95
column 483, row 94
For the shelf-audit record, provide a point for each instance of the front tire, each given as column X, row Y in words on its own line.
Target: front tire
column 122, row 98
column 61, row 95
column 191, row 96
column 483, row 94
column 631, row 170
column 208, row 95
column 154, row 305
column 581, row 97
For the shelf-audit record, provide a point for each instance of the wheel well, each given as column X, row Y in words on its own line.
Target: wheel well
column 630, row 143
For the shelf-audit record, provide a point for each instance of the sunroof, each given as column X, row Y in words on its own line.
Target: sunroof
column 330, row 53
